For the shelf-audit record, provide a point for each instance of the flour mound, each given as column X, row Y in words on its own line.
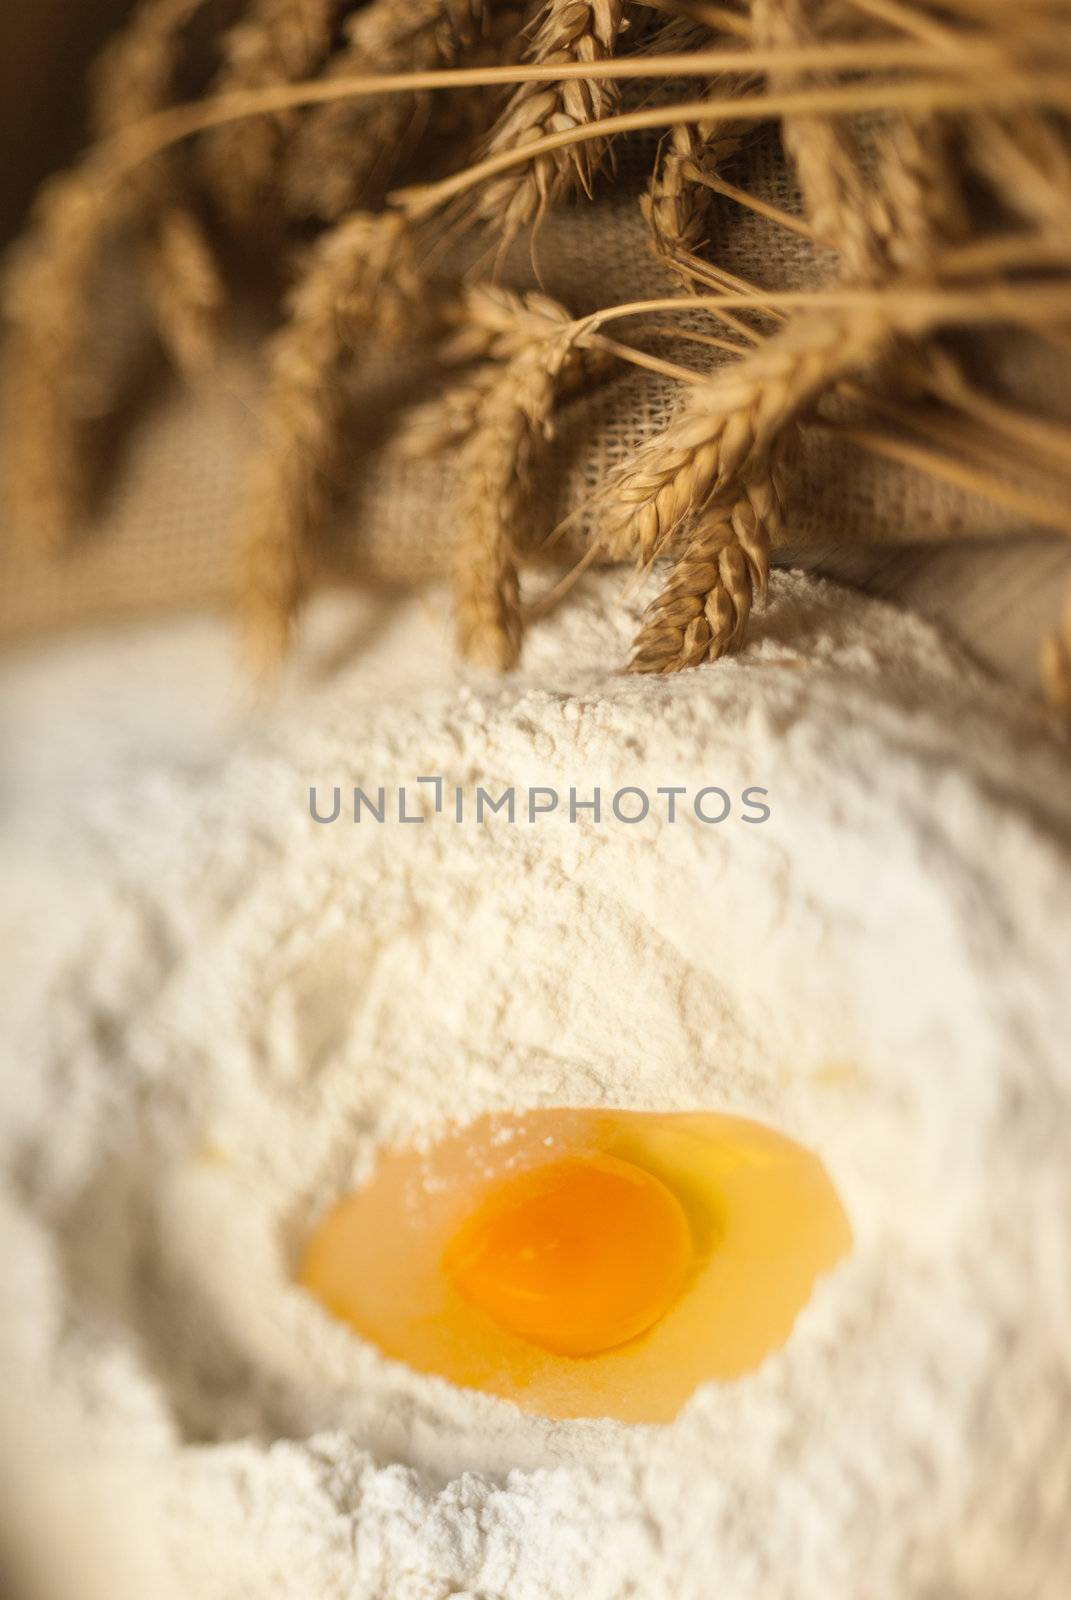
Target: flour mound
column 221, row 1009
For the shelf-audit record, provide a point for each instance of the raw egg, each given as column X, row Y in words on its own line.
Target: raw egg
column 583, row 1263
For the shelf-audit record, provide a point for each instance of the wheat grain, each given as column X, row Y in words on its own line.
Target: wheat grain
column 703, row 610
column 359, row 281
column 730, row 427
column 499, row 323
column 568, row 31
column 448, row 418
column 275, row 42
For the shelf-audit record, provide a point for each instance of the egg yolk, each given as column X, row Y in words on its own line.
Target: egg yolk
column 582, row 1262
column 577, row 1256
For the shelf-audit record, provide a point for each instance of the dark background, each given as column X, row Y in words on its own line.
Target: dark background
column 45, row 47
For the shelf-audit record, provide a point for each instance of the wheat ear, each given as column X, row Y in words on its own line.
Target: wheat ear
column 703, row 611
column 677, row 203
column 730, row 427
column 568, row 31
column 530, row 360
column 844, row 209
column 51, row 372
column 490, row 326
column 923, row 197
column 359, row 281
column 339, row 148
column 54, row 375
column 183, row 282
column 1056, row 665
column 186, row 290
column 274, row 42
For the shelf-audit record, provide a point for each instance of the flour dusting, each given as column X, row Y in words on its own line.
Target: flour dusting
column 220, row 1009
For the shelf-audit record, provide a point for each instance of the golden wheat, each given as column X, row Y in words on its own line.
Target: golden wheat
column 924, row 199
column 909, row 128
column 448, row 418
column 677, row 203
column 274, row 42
column 134, row 74
column 359, row 281
column 51, row 372
column 54, row 376
column 845, row 210
column 528, row 345
column 1056, row 665
column 186, row 290
column 730, row 427
column 703, row 610
column 569, row 31
column 494, row 475
column 339, row 149
column 182, row 278
column 490, row 325
column 758, row 516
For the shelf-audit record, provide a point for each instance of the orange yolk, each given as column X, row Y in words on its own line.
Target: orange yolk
column 577, row 1256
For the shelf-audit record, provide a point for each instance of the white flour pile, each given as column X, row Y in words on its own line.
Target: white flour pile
column 218, row 1009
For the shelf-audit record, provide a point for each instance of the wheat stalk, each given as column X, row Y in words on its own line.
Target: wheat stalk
column 703, row 610
column 1038, row 86
column 581, row 31
column 729, row 427
column 274, row 42
column 359, row 281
